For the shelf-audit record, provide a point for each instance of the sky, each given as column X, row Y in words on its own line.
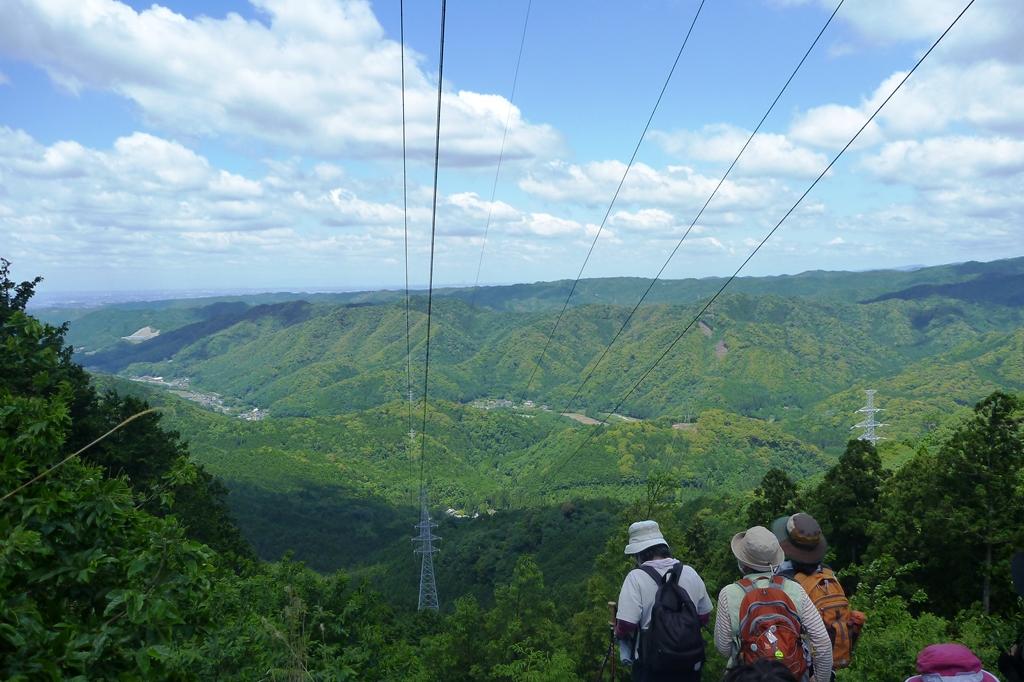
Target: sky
column 257, row 144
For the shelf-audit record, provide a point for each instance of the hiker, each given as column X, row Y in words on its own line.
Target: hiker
column 942, row 662
column 658, row 625
column 762, row 671
column 1011, row 662
column 804, row 547
column 765, row 615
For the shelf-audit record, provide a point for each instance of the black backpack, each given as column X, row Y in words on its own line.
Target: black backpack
column 673, row 642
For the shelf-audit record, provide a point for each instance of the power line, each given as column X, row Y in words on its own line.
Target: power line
column 714, row 192
column 604, row 421
column 501, row 154
column 433, row 231
column 615, row 196
column 405, row 215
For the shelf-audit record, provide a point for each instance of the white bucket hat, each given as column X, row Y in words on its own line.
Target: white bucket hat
column 644, row 534
column 758, row 548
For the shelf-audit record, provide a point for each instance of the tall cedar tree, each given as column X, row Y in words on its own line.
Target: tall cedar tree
column 960, row 512
column 774, row 497
column 846, row 501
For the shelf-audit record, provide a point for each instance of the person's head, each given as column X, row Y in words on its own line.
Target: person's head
column 801, row 540
column 646, row 540
column 761, row 671
column 757, row 550
column 942, row 662
column 653, row 552
column 806, row 569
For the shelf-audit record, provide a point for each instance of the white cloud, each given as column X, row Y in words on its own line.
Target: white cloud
column 474, row 206
column 644, row 220
column 946, row 161
column 991, row 27
column 321, row 78
column 974, row 78
column 988, row 95
column 831, row 126
column 594, row 183
column 151, row 204
column 768, row 153
column 547, row 225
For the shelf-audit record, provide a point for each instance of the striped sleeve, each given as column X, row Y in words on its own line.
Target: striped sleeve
column 821, row 645
column 723, row 628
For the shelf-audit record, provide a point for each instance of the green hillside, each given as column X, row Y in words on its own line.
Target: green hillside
column 771, row 377
column 97, row 329
column 760, row 356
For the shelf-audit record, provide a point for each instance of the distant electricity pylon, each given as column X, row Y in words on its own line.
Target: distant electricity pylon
column 869, row 424
column 425, row 548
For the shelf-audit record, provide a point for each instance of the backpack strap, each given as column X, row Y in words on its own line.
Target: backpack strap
column 653, row 574
column 746, row 584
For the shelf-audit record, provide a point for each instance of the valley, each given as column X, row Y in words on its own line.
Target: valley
column 767, row 380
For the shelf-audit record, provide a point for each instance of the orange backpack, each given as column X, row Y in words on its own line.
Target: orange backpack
column 842, row 623
column 770, row 626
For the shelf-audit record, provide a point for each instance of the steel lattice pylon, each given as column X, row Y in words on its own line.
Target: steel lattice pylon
column 869, row 425
column 426, row 549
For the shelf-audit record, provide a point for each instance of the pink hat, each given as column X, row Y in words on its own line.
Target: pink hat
column 950, row 663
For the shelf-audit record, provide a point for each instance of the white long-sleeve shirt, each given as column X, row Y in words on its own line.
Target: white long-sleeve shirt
column 727, row 632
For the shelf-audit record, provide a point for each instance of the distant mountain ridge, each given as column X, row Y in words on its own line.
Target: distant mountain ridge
column 758, row 354
column 843, row 285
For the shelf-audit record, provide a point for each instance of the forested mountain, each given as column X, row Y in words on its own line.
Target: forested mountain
column 126, row 561
column 800, row 359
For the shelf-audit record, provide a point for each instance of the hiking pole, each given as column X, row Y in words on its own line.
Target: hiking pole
column 612, row 607
column 609, row 655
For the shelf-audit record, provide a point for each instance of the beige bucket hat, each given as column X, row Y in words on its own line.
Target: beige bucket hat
column 758, row 548
column 644, row 534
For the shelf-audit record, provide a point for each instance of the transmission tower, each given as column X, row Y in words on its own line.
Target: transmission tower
column 869, row 424
column 425, row 547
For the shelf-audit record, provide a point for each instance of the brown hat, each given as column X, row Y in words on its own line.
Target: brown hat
column 801, row 538
column 758, row 549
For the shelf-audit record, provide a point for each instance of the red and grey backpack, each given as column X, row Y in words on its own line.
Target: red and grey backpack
column 770, row 626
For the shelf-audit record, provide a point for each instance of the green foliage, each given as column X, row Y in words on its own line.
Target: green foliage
column 775, row 496
column 892, row 637
column 845, row 503
column 91, row 585
column 960, row 511
column 519, row 639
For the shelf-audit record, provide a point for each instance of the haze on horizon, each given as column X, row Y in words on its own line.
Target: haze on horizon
column 256, row 145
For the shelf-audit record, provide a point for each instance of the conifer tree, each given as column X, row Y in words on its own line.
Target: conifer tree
column 775, row 496
column 960, row 511
column 846, row 501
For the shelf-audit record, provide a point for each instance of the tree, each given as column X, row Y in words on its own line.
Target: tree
column 960, row 511
column 775, row 496
column 846, row 501
column 984, row 460
column 90, row 584
column 154, row 462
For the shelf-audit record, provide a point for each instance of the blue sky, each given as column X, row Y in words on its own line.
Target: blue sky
column 257, row 144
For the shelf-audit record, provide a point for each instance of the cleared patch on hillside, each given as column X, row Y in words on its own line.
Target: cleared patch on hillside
column 581, row 418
